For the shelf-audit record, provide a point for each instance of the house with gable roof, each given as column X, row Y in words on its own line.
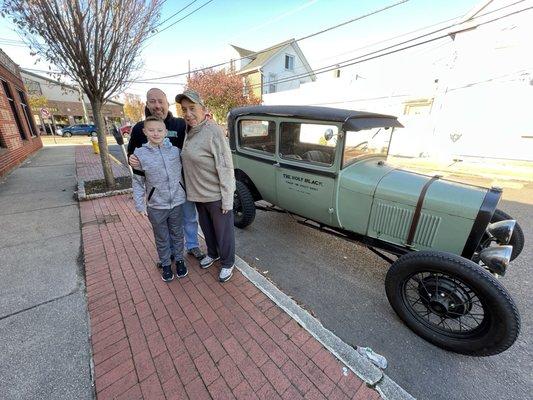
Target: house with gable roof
column 280, row 67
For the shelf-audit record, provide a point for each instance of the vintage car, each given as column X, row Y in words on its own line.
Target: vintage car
column 327, row 167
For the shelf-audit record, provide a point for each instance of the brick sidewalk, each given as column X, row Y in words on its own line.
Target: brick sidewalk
column 192, row 338
column 89, row 167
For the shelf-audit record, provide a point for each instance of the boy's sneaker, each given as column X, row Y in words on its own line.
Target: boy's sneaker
column 207, row 261
column 159, row 265
column 196, row 253
column 167, row 274
column 225, row 274
column 181, row 269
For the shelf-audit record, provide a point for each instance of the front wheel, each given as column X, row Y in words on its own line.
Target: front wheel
column 452, row 303
column 67, row 134
column 243, row 206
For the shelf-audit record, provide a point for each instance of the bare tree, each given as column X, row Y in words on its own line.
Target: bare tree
column 96, row 43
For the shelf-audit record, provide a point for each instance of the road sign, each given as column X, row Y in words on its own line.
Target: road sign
column 45, row 113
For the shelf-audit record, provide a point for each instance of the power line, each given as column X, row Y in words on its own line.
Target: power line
column 373, row 55
column 280, row 45
column 176, row 13
column 337, row 65
column 179, row 20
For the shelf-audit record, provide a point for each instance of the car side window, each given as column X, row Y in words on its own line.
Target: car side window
column 258, row 135
column 310, row 143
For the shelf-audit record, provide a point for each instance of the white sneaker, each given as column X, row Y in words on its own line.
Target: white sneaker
column 225, row 274
column 207, row 261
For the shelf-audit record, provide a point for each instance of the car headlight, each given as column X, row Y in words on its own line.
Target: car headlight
column 496, row 258
column 502, row 230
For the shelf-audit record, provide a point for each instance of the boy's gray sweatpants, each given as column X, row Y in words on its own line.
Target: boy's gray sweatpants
column 168, row 228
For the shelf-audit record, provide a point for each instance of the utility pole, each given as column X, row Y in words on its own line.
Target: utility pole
column 85, row 115
column 189, row 70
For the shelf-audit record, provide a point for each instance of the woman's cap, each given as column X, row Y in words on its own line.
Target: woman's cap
column 191, row 95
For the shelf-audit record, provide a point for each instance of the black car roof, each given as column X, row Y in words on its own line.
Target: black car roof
column 351, row 119
column 307, row 112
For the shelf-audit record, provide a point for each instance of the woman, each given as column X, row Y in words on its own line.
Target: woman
column 209, row 181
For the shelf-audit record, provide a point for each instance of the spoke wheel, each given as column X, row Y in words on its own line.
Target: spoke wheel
column 452, row 303
column 444, row 303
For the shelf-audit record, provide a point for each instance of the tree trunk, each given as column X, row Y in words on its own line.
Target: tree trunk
column 102, row 143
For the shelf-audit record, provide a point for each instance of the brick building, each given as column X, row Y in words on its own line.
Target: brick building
column 19, row 136
column 64, row 102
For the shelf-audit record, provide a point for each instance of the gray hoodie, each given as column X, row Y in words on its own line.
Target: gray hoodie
column 162, row 181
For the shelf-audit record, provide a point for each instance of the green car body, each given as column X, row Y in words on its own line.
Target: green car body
column 366, row 197
column 328, row 167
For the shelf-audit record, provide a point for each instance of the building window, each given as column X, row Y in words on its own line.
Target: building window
column 272, row 83
column 289, row 62
column 33, row 87
column 9, row 96
column 27, row 113
column 418, row 107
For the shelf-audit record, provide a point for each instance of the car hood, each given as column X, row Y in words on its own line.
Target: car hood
column 375, row 178
column 442, row 196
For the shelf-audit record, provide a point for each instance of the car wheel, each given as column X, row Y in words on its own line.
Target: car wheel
column 517, row 239
column 243, row 206
column 453, row 303
column 67, row 134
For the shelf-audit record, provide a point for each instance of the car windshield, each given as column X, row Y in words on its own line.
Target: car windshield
column 366, row 143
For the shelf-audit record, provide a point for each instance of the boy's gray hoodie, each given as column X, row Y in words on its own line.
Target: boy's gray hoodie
column 162, row 181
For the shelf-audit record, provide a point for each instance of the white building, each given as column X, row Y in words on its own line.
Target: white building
column 467, row 95
column 275, row 69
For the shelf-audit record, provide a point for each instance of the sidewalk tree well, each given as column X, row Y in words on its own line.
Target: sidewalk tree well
column 221, row 91
column 133, row 107
column 96, row 44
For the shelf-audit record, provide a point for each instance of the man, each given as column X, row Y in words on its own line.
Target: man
column 157, row 106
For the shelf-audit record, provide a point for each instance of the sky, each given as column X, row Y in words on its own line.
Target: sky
column 204, row 37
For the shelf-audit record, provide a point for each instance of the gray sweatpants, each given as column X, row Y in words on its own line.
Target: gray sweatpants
column 168, row 228
column 218, row 232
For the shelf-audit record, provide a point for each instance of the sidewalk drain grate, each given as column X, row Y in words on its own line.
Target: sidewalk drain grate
column 103, row 219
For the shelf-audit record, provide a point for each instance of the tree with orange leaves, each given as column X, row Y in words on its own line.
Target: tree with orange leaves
column 221, row 91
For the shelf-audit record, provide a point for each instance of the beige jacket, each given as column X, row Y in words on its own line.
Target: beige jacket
column 207, row 165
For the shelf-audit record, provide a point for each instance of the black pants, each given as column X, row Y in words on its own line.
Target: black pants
column 218, row 232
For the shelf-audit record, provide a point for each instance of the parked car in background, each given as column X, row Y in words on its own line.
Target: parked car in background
column 47, row 129
column 447, row 242
column 77, row 129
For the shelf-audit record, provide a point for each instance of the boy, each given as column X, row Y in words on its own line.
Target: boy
column 162, row 185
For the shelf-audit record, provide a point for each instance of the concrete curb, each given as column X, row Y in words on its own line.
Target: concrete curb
column 82, row 196
column 361, row 366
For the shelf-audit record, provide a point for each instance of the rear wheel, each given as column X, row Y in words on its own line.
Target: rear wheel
column 243, row 206
column 452, row 303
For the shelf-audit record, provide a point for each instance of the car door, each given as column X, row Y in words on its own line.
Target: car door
column 256, row 153
column 77, row 129
column 306, row 169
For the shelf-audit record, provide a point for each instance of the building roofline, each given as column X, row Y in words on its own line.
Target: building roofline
column 61, row 84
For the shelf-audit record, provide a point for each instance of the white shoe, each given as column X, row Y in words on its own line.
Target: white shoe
column 207, row 261
column 225, row 274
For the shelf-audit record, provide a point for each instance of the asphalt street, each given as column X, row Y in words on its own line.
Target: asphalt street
column 342, row 284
